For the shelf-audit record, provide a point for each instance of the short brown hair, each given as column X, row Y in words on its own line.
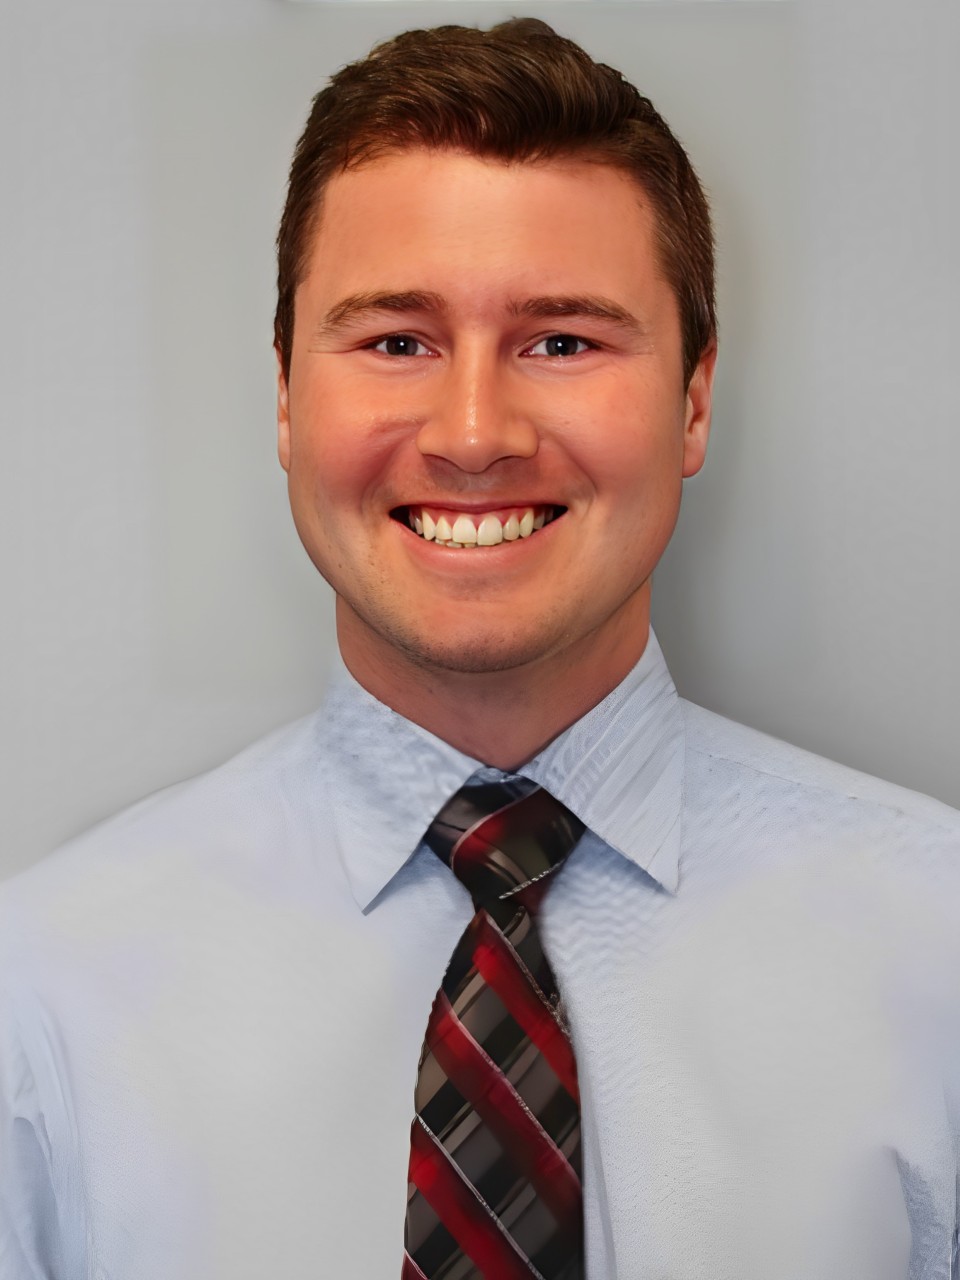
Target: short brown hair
column 516, row 92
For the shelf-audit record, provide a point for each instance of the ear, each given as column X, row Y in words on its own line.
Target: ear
column 696, row 426
column 283, row 414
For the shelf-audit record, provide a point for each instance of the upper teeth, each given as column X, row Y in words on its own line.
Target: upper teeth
column 478, row 530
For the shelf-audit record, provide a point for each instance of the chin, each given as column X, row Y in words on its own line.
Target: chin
column 468, row 654
column 474, row 658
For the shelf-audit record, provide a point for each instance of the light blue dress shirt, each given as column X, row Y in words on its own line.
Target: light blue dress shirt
column 212, row 1008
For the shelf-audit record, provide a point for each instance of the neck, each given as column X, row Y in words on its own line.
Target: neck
column 502, row 718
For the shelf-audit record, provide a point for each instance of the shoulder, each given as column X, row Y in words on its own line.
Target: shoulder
column 807, row 792
column 233, row 821
column 760, row 760
column 793, row 850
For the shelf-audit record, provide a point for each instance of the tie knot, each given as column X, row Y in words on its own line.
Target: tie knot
column 500, row 837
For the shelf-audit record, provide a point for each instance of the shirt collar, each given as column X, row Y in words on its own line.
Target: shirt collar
column 619, row 769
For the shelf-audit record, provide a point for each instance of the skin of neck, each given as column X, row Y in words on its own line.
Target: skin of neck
column 502, row 718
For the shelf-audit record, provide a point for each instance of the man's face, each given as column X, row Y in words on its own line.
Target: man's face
column 478, row 348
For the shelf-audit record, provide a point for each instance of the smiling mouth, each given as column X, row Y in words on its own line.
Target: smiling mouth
column 462, row 529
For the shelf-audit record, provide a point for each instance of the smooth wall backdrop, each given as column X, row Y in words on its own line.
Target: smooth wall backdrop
column 158, row 610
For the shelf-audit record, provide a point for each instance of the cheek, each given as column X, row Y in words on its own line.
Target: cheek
column 628, row 457
column 332, row 454
column 623, row 429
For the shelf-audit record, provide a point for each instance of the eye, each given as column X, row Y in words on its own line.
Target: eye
column 400, row 344
column 559, row 345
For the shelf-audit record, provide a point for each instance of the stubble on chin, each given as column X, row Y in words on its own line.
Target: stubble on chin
column 485, row 651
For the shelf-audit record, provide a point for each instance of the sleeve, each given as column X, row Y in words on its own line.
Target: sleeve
column 30, row 1235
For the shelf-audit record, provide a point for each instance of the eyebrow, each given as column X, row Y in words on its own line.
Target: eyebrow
column 359, row 306
column 558, row 306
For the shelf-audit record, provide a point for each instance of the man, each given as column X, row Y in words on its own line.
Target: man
column 496, row 345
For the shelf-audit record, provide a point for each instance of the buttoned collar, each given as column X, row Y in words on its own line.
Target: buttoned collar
column 619, row 769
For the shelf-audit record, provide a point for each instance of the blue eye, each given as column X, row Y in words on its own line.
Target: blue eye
column 559, row 345
column 400, row 344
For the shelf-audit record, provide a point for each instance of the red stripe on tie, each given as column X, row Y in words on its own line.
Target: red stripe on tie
column 461, row 1210
column 486, row 834
column 503, row 970
column 508, row 1117
column 410, row 1269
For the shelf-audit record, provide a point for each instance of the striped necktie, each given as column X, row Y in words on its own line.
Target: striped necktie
column 494, row 1184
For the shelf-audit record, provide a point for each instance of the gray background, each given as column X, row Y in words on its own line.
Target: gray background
column 158, row 611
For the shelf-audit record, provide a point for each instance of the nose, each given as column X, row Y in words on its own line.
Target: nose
column 476, row 417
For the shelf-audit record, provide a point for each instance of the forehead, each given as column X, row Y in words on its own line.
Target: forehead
column 428, row 219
